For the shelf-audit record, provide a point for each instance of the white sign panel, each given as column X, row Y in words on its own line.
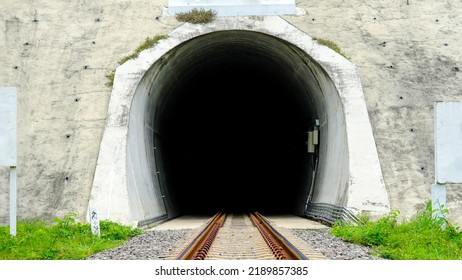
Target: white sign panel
column 8, row 126
column 448, row 142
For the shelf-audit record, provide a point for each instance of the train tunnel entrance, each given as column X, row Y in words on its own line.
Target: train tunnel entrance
column 235, row 133
column 216, row 118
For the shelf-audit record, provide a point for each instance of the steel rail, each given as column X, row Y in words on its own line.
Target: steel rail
column 281, row 247
column 199, row 247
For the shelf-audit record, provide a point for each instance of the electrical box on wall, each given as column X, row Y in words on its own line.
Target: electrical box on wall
column 311, row 147
column 313, row 139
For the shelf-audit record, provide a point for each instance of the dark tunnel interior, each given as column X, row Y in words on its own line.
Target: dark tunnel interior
column 233, row 135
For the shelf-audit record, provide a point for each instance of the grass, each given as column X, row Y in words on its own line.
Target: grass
column 65, row 239
column 332, row 45
column 419, row 238
column 197, row 16
column 148, row 43
column 110, row 79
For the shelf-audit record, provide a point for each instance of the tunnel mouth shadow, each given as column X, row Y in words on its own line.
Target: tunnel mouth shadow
column 233, row 135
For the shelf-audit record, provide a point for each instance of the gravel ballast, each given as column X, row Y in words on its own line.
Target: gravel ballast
column 332, row 247
column 151, row 245
column 159, row 244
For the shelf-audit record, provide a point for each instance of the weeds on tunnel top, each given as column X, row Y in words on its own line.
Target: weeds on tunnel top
column 65, row 239
column 420, row 238
column 332, row 45
column 197, row 16
column 149, row 42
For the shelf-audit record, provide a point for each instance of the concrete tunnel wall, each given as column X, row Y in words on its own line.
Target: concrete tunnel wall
column 131, row 183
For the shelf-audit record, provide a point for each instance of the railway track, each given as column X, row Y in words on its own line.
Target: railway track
column 244, row 236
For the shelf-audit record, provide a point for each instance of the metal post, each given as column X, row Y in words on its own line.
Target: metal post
column 13, row 200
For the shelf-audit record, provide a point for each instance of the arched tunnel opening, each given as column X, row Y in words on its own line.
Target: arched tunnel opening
column 215, row 118
column 230, row 126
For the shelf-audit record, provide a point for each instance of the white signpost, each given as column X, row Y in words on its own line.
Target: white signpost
column 94, row 221
column 8, row 143
column 448, row 151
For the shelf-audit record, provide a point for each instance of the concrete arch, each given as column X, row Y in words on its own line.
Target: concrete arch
column 133, row 178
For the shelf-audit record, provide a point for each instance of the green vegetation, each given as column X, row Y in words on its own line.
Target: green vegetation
column 420, row 238
column 197, row 16
column 148, row 43
column 330, row 44
column 110, row 79
column 65, row 239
